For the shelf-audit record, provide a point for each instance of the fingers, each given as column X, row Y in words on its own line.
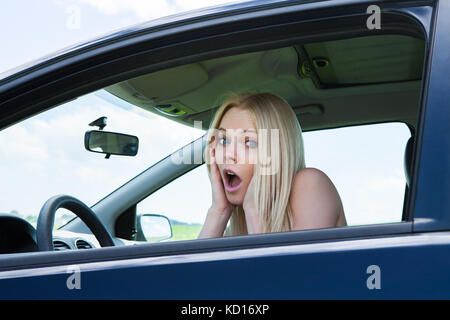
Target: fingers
column 212, row 160
column 214, row 169
column 249, row 200
column 212, row 155
column 212, row 148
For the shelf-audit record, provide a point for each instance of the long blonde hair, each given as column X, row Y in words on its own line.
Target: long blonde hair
column 280, row 142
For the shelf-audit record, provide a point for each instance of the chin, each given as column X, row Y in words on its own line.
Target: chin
column 236, row 200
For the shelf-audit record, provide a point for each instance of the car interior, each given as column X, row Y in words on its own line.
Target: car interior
column 330, row 84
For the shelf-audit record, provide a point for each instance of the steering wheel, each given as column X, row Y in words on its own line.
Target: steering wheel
column 47, row 216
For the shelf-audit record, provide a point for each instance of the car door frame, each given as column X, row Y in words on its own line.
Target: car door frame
column 382, row 240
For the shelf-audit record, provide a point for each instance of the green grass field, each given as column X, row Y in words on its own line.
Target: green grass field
column 184, row 231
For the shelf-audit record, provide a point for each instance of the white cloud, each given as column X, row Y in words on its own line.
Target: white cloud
column 19, row 141
column 143, row 9
column 146, row 10
column 386, row 183
column 35, row 168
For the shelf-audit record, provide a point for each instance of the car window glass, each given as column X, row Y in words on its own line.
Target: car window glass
column 44, row 155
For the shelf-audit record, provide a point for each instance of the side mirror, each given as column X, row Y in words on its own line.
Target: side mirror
column 111, row 143
column 154, row 227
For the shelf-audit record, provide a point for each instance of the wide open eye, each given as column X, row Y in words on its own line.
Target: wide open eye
column 251, row 143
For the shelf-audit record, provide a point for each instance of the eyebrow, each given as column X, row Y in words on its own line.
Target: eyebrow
column 246, row 130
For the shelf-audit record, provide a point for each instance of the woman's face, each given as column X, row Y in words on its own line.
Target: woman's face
column 236, row 148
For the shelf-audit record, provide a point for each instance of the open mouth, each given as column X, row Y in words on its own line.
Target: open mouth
column 232, row 182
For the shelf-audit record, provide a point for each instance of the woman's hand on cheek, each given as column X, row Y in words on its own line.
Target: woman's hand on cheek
column 251, row 216
column 249, row 199
column 220, row 204
column 220, row 211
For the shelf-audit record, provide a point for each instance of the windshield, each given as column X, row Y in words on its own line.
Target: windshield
column 45, row 155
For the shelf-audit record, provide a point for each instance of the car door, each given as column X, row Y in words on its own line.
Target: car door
column 383, row 261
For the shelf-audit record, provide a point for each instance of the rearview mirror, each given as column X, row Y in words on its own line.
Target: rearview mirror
column 111, row 143
column 154, row 227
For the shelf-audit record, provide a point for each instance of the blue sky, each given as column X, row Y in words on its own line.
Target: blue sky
column 370, row 181
column 35, row 28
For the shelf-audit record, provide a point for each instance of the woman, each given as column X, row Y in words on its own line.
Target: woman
column 256, row 165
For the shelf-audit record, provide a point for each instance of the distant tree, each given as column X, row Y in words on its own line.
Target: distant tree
column 31, row 218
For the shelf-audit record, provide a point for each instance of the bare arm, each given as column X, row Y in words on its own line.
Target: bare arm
column 215, row 224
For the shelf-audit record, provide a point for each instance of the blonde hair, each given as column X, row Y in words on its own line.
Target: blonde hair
column 272, row 116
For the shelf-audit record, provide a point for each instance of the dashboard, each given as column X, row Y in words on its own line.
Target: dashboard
column 67, row 240
column 17, row 235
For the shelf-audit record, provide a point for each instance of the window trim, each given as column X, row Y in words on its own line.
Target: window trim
column 291, row 238
column 429, row 208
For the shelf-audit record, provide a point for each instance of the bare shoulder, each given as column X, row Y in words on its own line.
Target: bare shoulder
column 311, row 172
column 308, row 178
column 315, row 201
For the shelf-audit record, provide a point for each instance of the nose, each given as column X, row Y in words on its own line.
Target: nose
column 231, row 152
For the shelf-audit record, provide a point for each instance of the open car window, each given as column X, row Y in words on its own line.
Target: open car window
column 356, row 100
column 365, row 163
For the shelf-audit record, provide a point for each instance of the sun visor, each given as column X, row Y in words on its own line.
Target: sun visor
column 362, row 61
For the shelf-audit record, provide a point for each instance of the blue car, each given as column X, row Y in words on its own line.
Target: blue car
column 104, row 184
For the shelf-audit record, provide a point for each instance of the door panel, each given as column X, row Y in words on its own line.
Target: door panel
column 410, row 267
